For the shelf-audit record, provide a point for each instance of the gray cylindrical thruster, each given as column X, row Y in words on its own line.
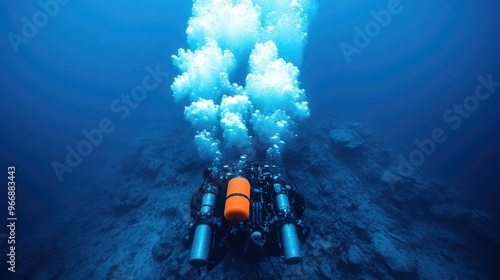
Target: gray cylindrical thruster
column 201, row 245
column 207, row 202
column 282, row 202
column 291, row 246
column 289, row 238
column 200, row 248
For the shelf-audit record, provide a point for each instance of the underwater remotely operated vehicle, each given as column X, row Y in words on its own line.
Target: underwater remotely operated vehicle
column 248, row 210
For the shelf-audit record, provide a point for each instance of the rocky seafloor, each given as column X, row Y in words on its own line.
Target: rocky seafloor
column 367, row 221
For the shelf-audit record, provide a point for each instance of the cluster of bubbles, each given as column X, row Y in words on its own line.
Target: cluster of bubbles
column 264, row 38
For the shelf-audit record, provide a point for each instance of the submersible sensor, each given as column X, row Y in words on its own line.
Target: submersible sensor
column 200, row 249
column 289, row 237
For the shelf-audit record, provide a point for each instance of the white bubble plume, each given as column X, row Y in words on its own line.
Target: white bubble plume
column 265, row 38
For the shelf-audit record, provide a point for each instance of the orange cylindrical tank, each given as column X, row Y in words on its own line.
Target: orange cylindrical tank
column 237, row 207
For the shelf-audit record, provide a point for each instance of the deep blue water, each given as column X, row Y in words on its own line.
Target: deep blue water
column 420, row 65
column 412, row 71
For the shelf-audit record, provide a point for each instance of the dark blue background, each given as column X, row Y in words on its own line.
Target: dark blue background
column 427, row 59
column 91, row 52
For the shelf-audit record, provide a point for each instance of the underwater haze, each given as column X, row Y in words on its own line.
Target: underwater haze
column 103, row 100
